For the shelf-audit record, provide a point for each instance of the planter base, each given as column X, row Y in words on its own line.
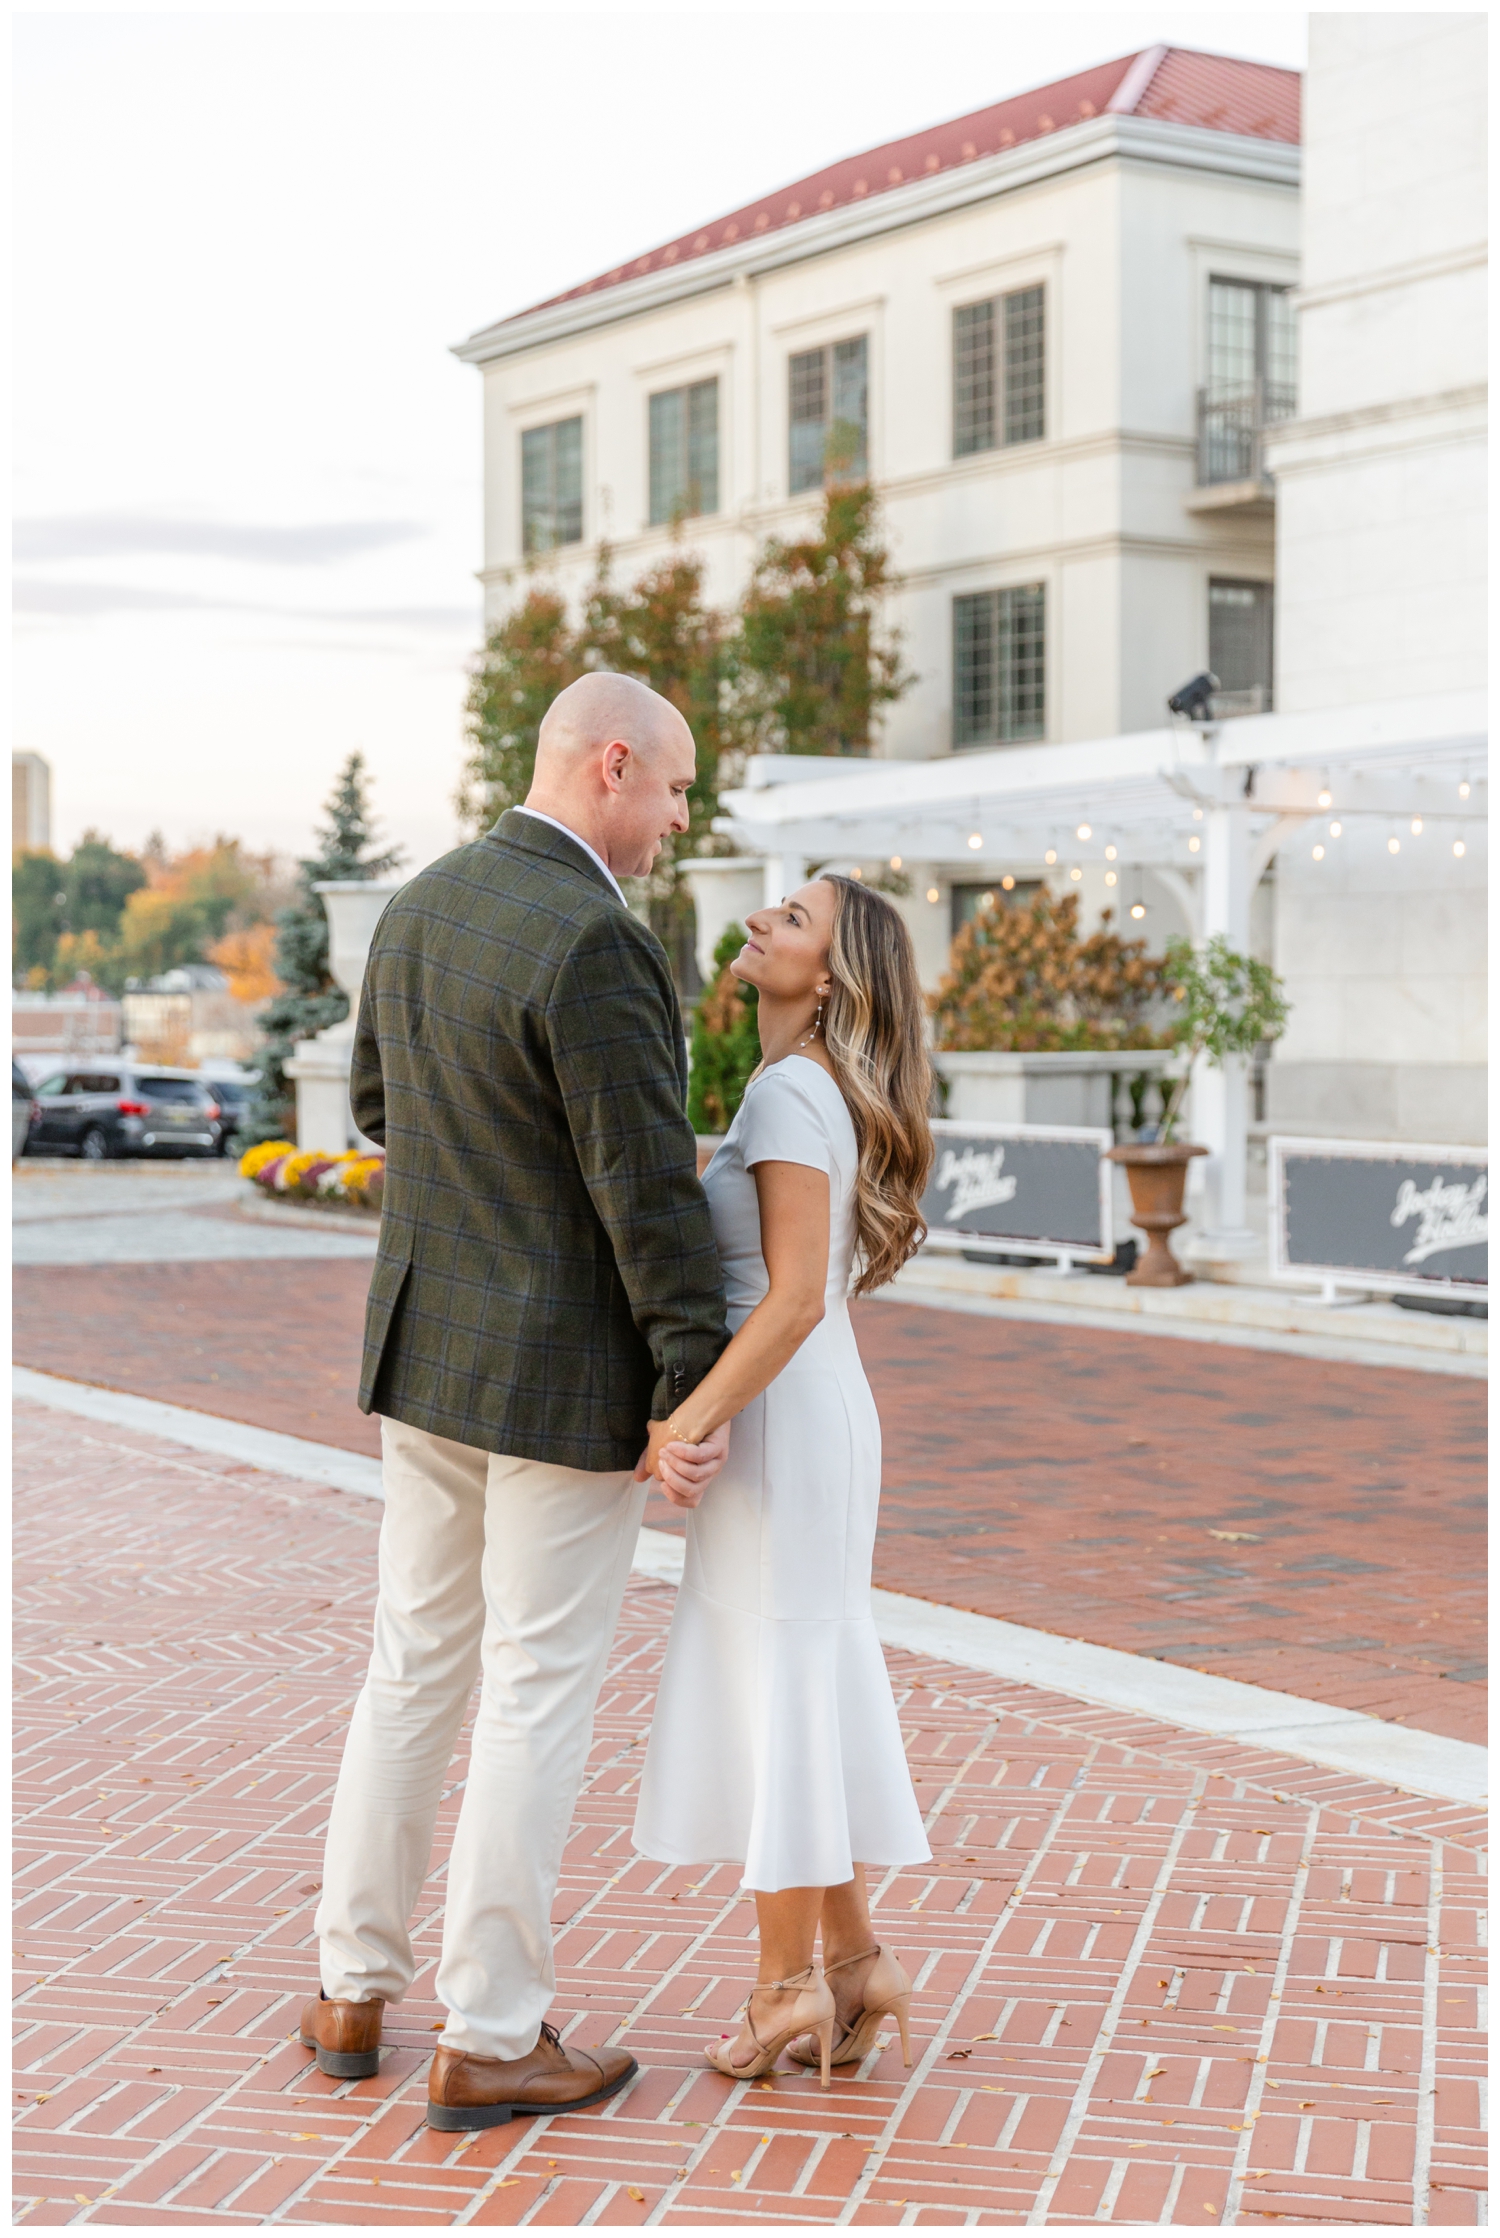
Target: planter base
column 1157, row 1173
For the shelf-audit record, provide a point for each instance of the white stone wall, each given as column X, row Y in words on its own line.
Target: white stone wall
column 1381, row 564
column 1124, row 247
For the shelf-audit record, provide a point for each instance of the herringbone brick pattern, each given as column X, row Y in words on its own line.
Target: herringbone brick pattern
column 1159, row 1979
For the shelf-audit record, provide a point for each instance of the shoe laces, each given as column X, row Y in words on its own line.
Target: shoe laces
column 550, row 2036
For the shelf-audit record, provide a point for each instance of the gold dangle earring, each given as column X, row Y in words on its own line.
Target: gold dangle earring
column 814, row 1029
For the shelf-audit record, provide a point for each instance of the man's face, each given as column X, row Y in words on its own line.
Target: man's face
column 648, row 799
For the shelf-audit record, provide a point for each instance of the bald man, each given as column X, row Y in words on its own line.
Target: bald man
column 546, row 1288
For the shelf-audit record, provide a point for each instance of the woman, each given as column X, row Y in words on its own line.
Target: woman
column 775, row 1741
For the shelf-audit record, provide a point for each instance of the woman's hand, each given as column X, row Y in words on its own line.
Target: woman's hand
column 683, row 1471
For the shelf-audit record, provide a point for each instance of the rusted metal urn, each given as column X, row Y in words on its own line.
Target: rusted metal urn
column 1157, row 1172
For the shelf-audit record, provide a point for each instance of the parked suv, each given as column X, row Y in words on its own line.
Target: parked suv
column 112, row 1110
column 20, row 1109
column 234, row 1099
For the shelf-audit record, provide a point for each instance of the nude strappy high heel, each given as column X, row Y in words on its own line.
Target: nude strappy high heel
column 887, row 1993
column 814, row 2011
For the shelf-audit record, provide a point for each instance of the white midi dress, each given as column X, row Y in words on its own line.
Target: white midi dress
column 775, row 1742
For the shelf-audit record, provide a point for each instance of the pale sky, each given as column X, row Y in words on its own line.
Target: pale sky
column 248, row 469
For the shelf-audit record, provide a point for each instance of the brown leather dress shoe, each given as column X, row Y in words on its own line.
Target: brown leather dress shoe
column 345, row 2036
column 465, row 2090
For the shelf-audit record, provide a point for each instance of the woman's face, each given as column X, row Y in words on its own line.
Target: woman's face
column 786, row 954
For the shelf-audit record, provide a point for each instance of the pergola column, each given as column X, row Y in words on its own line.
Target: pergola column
column 784, row 874
column 1221, row 1095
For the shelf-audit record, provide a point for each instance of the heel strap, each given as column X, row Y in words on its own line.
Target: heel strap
column 790, row 1983
column 840, row 1963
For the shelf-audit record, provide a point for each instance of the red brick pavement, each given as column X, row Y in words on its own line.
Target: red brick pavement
column 1298, row 1524
column 1200, row 1983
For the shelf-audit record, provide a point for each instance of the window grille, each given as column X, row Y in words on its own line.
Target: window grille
column 996, row 403
column 1252, row 376
column 685, row 451
column 552, row 486
column 999, row 666
column 1240, row 645
column 828, row 396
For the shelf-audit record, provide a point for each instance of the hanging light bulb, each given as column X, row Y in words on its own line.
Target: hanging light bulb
column 1416, row 827
column 933, row 894
column 1111, row 854
column 1194, row 844
column 1197, row 815
column 1085, row 831
column 1317, row 854
column 1138, row 909
column 1111, row 878
column 1051, row 855
column 895, row 862
column 1325, row 798
column 1335, row 830
column 1458, row 847
column 1463, row 790
column 1393, row 846
column 1008, row 883
column 988, row 900
column 1075, row 872
column 856, row 872
column 976, row 839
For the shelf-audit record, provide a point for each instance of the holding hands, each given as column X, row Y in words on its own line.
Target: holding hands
column 684, row 1471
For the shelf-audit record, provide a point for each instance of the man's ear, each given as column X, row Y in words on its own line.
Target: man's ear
column 616, row 755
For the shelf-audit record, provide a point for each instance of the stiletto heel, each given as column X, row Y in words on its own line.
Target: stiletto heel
column 887, row 1994
column 814, row 2010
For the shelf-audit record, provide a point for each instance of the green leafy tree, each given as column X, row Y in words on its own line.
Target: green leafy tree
column 1227, row 1004
column 725, row 1046
column 310, row 997
column 1023, row 978
column 52, row 899
column 813, row 664
column 527, row 660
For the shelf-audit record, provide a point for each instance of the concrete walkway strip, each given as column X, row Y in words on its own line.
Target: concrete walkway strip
column 1317, row 1732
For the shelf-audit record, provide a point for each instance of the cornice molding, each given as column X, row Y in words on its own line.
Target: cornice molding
column 1099, row 140
column 1315, row 297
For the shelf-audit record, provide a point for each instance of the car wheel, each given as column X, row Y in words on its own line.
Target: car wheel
column 95, row 1145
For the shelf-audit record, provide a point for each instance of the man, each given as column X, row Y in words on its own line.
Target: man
column 547, row 1287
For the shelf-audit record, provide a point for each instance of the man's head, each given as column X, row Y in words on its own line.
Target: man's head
column 614, row 761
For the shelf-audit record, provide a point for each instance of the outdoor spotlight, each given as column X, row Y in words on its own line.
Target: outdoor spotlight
column 1463, row 790
column 1416, row 827
column 895, row 862
column 976, row 839
column 1393, row 846
column 1085, row 831
column 1194, row 844
column 1317, row 854
column 1138, row 909
column 1335, row 831
column 1458, row 846
column 933, row 894
column 1194, row 697
column 1325, row 798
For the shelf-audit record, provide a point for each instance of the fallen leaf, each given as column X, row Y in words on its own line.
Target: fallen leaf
column 84, row 2198
column 1236, row 1537
column 735, row 2175
column 638, row 2196
column 305, row 2136
column 1153, row 2072
column 984, row 2039
column 966, row 2053
column 504, row 2184
column 1305, row 2102
column 1222, row 2028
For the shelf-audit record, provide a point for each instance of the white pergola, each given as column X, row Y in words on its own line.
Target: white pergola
column 1204, row 805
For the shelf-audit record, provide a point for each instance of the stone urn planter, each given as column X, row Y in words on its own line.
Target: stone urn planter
column 1157, row 1173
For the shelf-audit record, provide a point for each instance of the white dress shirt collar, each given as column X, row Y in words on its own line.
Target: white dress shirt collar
column 578, row 841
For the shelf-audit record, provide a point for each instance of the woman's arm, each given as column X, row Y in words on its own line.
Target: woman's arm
column 794, row 1220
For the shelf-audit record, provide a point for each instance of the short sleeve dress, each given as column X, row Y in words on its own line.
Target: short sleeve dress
column 775, row 1741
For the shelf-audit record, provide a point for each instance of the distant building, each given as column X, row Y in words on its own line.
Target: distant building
column 82, row 1021
column 30, row 802
column 188, row 1015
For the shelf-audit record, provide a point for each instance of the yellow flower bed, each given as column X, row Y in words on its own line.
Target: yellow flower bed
column 261, row 1155
column 296, row 1166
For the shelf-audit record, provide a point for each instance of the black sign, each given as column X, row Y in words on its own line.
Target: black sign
column 1031, row 1189
column 1386, row 1215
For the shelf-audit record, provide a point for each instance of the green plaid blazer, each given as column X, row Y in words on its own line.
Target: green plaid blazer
column 547, row 1279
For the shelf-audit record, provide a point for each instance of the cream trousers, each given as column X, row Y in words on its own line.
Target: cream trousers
column 513, row 1572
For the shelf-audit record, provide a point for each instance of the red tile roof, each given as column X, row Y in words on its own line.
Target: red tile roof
column 1175, row 84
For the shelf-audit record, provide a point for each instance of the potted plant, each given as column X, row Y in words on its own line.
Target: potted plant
column 1228, row 1005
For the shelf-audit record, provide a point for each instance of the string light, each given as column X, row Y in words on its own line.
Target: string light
column 1111, row 854
column 976, row 839
column 1085, row 831
column 1458, row 847
column 1463, row 790
column 1138, row 909
column 1317, row 854
column 1325, row 798
column 933, row 894
column 1008, row 883
column 1193, row 845
column 1197, row 815
column 1051, row 855
column 1335, row 831
column 895, row 862
column 1393, row 846
column 988, row 900
column 1075, row 872
column 1416, row 827
column 856, row 872
column 1111, row 878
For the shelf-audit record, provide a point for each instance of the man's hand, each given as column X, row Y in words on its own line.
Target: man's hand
column 684, row 1472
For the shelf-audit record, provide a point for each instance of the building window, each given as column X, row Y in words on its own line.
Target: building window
column 1239, row 646
column 999, row 666
column 829, row 398
column 999, row 371
column 1252, row 376
column 552, row 486
column 685, row 451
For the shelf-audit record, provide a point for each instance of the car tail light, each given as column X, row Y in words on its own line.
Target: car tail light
column 211, row 1111
column 129, row 1110
column 36, row 1113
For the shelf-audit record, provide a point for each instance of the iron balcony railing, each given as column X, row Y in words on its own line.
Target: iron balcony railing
column 1232, row 420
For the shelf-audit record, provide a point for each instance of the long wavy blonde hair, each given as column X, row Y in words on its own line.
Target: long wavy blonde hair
column 872, row 1029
